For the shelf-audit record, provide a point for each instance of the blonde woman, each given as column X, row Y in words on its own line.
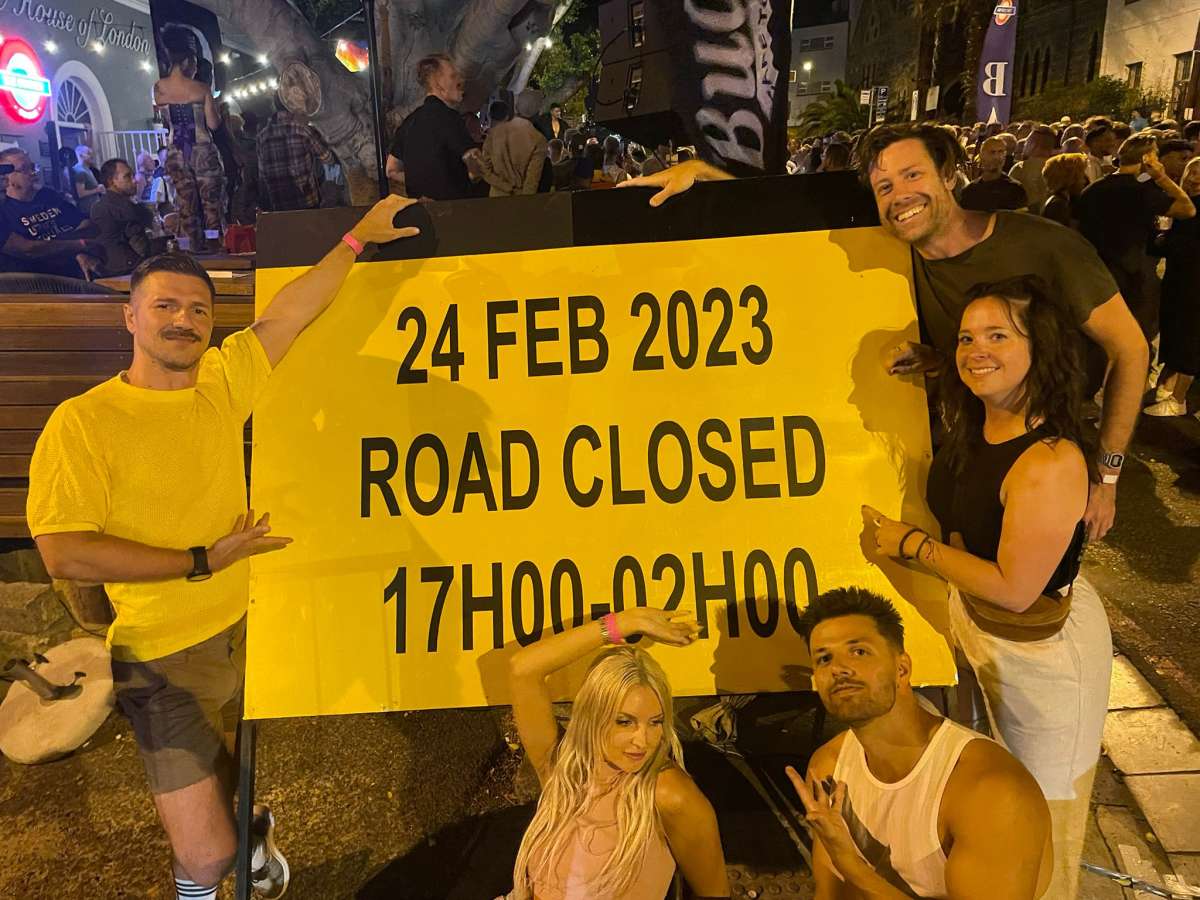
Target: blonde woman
column 618, row 813
column 1066, row 177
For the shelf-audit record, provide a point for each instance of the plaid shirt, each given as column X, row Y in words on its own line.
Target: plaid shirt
column 288, row 153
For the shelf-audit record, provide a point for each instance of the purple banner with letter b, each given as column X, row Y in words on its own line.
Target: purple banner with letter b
column 993, row 82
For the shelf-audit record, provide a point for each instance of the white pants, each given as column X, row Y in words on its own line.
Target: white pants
column 1046, row 702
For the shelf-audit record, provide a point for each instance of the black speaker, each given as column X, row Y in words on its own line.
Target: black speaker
column 640, row 40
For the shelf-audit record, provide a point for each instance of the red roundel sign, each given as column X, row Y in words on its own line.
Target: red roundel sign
column 24, row 89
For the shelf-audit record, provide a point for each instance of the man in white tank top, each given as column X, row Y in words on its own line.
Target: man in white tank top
column 905, row 803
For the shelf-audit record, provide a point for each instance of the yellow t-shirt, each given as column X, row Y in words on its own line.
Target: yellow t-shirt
column 163, row 468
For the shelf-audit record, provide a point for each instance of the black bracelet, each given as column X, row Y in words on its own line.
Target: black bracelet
column 907, row 535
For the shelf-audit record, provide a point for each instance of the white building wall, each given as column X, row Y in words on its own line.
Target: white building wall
column 828, row 64
column 1151, row 32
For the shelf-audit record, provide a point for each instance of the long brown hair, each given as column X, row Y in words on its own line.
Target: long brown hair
column 1052, row 391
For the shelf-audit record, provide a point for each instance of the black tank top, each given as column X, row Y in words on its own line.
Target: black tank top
column 969, row 503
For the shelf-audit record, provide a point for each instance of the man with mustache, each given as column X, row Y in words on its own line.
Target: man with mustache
column 140, row 484
column 912, row 171
column 906, row 803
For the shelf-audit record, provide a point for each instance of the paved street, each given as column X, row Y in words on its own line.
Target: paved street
column 432, row 805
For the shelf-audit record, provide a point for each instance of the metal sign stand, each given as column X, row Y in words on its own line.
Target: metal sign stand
column 247, row 740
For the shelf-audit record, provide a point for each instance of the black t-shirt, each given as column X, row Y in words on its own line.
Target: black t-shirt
column 1117, row 215
column 984, row 195
column 43, row 218
column 47, row 216
column 1020, row 244
column 431, row 142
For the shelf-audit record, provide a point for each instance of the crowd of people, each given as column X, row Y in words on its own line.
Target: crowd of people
column 217, row 169
column 1036, row 255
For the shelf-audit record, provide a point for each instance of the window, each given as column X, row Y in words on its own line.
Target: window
column 1183, row 66
column 1133, row 75
column 792, row 76
column 824, row 42
column 1024, row 75
column 1046, row 69
column 1093, row 56
column 1037, row 58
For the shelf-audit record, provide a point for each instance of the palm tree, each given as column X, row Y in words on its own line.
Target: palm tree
column 839, row 111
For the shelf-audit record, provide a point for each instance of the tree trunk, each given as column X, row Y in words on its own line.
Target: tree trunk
column 343, row 117
column 477, row 36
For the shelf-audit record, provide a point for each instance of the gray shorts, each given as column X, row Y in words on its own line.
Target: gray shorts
column 181, row 706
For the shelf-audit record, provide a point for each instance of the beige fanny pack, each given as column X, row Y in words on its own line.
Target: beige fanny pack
column 1042, row 620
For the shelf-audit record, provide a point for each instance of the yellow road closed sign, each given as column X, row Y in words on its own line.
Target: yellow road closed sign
column 473, row 452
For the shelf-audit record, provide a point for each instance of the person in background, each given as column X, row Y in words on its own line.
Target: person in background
column 993, row 190
column 289, row 152
column 561, row 166
column 1040, row 145
column 1174, row 155
column 1137, row 121
column 87, row 187
column 1179, row 314
column 617, row 813
column 836, row 158
column 144, row 165
column 432, row 153
column 66, row 173
column 193, row 161
column 660, row 161
column 513, row 155
column 124, row 225
column 906, row 803
column 1102, row 143
column 243, row 208
column 1119, row 213
column 40, row 231
column 1191, row 134
column 612, row 168
column 1065, row 175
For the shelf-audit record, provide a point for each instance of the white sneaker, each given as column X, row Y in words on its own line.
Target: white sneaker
column 270, row 873
column 1168, row 407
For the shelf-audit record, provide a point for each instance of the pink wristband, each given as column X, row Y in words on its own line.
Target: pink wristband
column 611, row 629
column 352, row 242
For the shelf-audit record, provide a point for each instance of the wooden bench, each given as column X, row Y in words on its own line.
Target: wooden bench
column 55, row 346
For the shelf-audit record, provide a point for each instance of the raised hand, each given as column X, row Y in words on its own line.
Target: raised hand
column 248, row 538
column 676, row 628
column 376, row 226
column 910, row 358
column 823, row 815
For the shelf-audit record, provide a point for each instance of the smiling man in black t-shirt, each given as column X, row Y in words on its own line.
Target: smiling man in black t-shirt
column 912, row 170
column 1119, row 213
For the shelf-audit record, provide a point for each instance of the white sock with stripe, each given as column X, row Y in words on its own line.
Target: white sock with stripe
column 185, row 889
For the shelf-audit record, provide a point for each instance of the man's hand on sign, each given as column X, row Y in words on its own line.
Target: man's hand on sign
column 376, row 226
column 677, row 179
column 911, row 359
column 677, row 628
column 248, row 538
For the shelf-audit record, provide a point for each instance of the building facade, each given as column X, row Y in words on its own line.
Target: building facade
column 1059, row 43
column 884, row 48
column 818, row 60
column 1149, row 43
column 76, row 71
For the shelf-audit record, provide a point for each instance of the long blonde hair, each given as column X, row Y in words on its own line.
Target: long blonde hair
column 565, row 795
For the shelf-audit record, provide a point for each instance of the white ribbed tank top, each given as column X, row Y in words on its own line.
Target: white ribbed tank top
column 895, row 825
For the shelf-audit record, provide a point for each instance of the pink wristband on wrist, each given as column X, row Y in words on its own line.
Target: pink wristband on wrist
column 611, row 630
column 352, row 242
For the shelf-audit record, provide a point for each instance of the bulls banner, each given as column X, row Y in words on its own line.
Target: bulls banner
column 531, row 425
column 994, row 81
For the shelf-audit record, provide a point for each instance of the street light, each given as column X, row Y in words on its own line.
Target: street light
column 807, row 65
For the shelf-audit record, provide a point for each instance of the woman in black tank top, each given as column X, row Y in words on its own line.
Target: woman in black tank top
column 1009, row 488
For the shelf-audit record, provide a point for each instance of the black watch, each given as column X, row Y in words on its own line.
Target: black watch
column 200, row 570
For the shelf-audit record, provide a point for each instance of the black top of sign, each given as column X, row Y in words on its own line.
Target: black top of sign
column 748, row 206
